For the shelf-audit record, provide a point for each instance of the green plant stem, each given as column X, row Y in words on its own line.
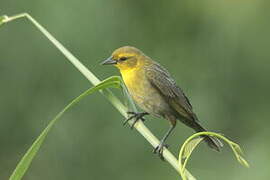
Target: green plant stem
column 142, row 129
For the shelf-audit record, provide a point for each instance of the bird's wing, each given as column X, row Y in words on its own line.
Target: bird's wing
column 160, row 78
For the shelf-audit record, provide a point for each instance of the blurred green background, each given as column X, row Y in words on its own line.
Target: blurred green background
column 218, row 52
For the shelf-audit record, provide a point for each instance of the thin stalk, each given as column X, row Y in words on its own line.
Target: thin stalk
column 141, row 128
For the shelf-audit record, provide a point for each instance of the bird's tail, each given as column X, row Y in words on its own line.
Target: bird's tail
column 212, row 142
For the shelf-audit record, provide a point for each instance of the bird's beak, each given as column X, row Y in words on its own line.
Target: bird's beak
column 108, row 61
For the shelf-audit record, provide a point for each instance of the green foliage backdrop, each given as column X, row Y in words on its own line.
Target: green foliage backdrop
column 216, row 50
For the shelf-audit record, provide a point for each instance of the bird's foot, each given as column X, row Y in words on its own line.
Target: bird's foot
column 136, row 116
column 159, row 150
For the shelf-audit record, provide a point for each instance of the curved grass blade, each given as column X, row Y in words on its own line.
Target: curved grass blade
column 188, row 147
column 26, row 160
column 191, row 143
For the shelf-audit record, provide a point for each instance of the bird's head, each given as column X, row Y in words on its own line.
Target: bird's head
column 126, row 58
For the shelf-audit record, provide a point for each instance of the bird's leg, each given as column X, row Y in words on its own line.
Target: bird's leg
column 136, row 116
column 159, row 148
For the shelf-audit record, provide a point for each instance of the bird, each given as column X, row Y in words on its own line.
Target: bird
column 155, row 91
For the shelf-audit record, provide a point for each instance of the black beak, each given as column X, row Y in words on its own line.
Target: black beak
column 108, row 61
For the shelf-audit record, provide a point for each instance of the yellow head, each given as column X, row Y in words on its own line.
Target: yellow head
column 126, row 58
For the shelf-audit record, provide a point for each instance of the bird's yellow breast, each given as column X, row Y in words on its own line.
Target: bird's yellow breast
column 133, row 79
column 137, row 84
column 142, row 92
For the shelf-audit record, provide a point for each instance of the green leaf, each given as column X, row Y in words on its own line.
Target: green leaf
column 23, row 165
column 190, row 147
column 238, row 154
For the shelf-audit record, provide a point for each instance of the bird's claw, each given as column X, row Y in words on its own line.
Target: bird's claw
column 159, row 150
column 136, row 117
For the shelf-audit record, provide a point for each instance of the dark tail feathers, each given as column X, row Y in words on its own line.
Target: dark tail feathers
column 212, row 142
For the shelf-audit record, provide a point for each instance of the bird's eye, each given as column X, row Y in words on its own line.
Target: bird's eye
column 123, row 58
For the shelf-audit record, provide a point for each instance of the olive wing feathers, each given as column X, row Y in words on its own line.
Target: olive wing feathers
column 160, row 78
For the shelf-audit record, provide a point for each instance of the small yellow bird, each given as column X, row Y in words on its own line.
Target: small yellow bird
column 154, row 90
